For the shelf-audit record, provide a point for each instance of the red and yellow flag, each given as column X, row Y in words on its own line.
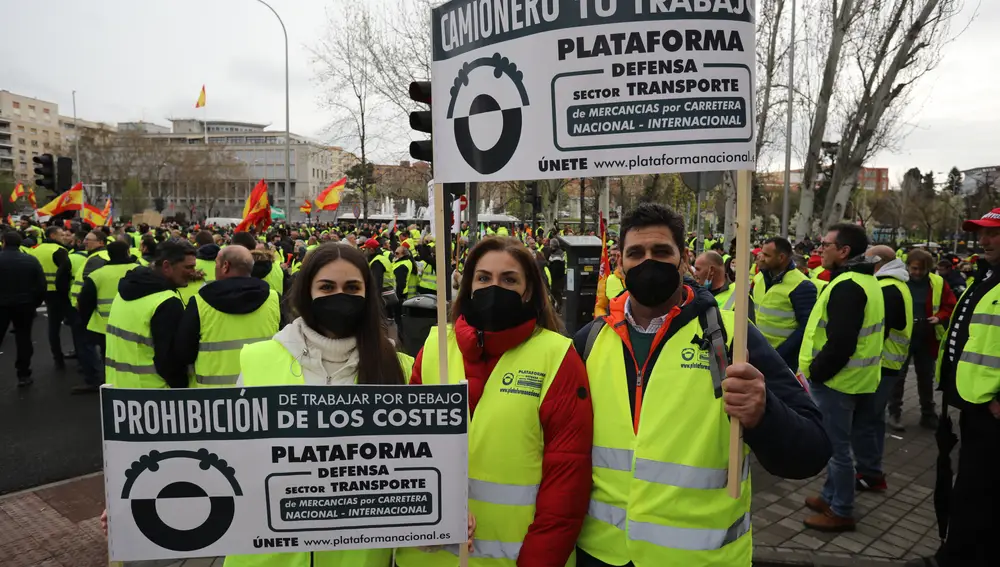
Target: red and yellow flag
column 306, row 207
column 17, row 193
column 257, row 210
column 329, row 198
column 602, row 303
column 92, row 216
column 31, row 199
column 201, row 98
column 71, row 200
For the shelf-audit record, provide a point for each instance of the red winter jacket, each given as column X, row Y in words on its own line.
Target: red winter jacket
column 567, row 419
column 948, row 301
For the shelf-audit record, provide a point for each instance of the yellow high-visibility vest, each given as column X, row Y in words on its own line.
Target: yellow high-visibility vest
column 863, row 371
column 106, row 280
column 977, row 375
column 388, row 278
column 408, row 264
column 84, row 270
column 129, row 355
column 268, row 363
column 223, row 336
column 43, row 253
column 897, row 343
column 659, row 495
column 775, row 316
column 505, row 448
column 206, row 266
column 937, row 290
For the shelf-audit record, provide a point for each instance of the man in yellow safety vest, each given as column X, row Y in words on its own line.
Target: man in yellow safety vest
column 144, row 318
column 233, row 310
column 661, row 434
column 710, row 273
column 841, row 357
column 868, row 432
column 969, row 374
column 52, row 254
column 784, row 299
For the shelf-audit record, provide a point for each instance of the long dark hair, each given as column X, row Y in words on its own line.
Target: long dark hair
column 536, row 287
column 377, row 358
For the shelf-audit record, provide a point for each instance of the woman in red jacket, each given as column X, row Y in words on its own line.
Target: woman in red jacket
column 531, row 425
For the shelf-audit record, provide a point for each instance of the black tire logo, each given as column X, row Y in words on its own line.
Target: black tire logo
column 493, row 159
column 147, row 517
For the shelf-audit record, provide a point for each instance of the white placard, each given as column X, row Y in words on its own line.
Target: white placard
column 552, row 89
column 228, row 471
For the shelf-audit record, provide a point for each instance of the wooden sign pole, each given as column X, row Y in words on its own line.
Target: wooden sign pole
column 742, row 293
column 441, row 232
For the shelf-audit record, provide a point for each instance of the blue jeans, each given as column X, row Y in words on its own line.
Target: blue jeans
column 868, row 436
column 838, row 410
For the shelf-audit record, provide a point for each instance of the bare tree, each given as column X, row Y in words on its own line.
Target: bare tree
column 400, row 48
column 347, row 71
column 842, row 20
column 896, row 49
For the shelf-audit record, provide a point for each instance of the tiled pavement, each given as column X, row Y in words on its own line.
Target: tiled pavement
column 58, row 525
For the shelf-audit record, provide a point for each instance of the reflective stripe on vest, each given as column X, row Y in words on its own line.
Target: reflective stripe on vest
column 223, row 336
column 505, row 447
column 106, row 280
column 129, row 360
column 268, row 363
column 85, row 269
column 407, row 290
column 896, row 347
column 658, row 496
column 862, row 373
column 43, row 253
column 937, row 290
column 977, row 376
column 428, row 277
column 276, row 278
column 775, row 315
column 388, row 277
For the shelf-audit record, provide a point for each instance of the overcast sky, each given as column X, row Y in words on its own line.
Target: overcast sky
column 146, row 60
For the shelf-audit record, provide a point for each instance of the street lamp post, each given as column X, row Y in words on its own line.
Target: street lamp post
column 288, row 140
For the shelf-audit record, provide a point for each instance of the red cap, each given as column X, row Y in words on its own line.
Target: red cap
column 405, row 244
column 755, row 251
column 989, row 220
column 814, row 262
column 371, row 243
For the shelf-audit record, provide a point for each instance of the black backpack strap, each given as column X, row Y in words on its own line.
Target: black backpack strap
column 595, row 330
column 714, row 340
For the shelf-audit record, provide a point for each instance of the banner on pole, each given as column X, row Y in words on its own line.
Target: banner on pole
column 591, row 88
column 227, row 471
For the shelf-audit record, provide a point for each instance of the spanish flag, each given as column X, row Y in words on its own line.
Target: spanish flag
column 602, row 304
column 31, row 199
column 257, row 210
column 17, row 193
column 71, row 200
column 201, row 98
column 92, row 216
column 106, row 212
column 307, row 207
column 329, row 198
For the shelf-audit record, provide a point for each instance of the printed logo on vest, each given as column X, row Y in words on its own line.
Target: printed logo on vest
column 524, row 382
column 688, row 355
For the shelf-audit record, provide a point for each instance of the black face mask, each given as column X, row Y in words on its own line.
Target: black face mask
column 496, row 308
column 652, row 283
column 340, row 313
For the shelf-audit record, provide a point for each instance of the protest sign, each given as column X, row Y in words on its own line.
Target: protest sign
column 553, row 89
column 209, row 472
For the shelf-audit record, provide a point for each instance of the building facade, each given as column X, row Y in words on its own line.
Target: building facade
column 28, row 127
column 241, row 154
column 874, row 179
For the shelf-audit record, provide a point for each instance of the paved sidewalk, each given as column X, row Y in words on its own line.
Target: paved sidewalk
column 893, row 527
column 58, row 525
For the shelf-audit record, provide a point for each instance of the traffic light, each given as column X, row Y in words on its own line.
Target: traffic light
column 45, row 169
column 420, row 120
column 64, row 174
column 532, row 198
